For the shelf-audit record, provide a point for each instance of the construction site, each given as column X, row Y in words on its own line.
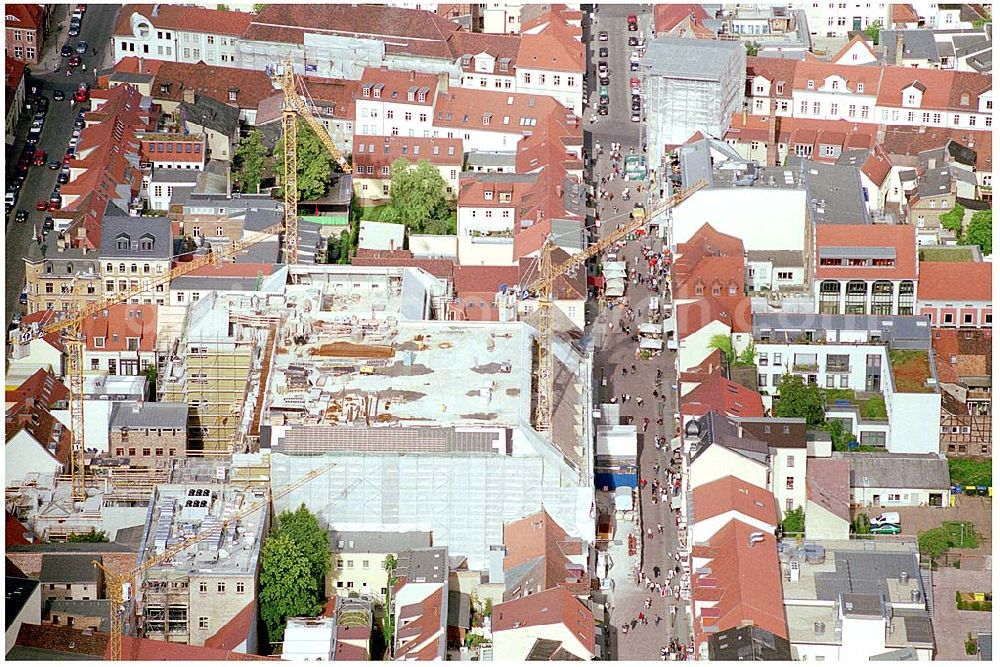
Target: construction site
column 429, row 422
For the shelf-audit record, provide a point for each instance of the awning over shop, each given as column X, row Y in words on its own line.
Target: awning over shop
column 650, row 329
column 650, row 344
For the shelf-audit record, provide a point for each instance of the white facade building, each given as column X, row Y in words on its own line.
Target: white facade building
column 836, row 19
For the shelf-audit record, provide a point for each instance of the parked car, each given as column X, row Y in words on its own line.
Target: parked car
column 604, row 100
column 82, row 94
column 605, row 80
column 603, row 110
column 63, row 177
column 21, row 215
column 49, row 224
column 633, row 40
column 885, row 518
column 74, row 29
column 636, row 105
column 636, row 116
column 633, row 66
column 23, row 299
column 74, row 61
column 41, row 205
column 602, row 52
column 81, row 47
column 55, row 164
column 55, row 205
column 58, row 95
column 633, row 22
column 81, row 9
column 602, row 68
column 886, row 529
column 39, row 158
column 66, row 51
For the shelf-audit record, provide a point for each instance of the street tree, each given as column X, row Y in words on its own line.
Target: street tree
column 872, row 32
column 417, row 198
column 287, row 585
column 314, row 164
column 953, row 219
column 303, row 527
column 249, row 161
column 724, row 344
column 980, row 231
column 798, row 399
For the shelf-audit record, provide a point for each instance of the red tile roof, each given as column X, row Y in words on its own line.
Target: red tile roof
column 734, row 312
column 567, row 287
column 775, row 70
column 13, row 73
column 24, row 17
column 902, row 238
column 439, row 268
column 43, row 386
column 709, row 366
column 717, row 394
column 942, row 89
column 49, row 432
column 236, row 631
column 413, row 31
column 134, row 648
column 877, row 166
column 464, row 43
column 745, row 583
column 666, row 17
column 44, row 318
column 808, row 131
column 475, row 285
column 828, row 485
column 819, row 72
column 121, row 322
column 15, row 531
column 907, row 140
column 333, row 97
column 251, row 86
column 419, row 638
column 731, row 494
column 554, row 48
column 539, row 536
column 136, row 65
column 464, row 108
column 904, row 13
column 187, row 18
column 955, row 281
column 725, row 274
column 90, row 645
column 396, row 85
column 551, row 607
column 705, row 242
column 437, row 150
column 965, row 353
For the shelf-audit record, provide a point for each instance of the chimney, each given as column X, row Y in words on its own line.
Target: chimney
column 772, row 135
column 899, row 48
column 442, row 82
column 189, row 95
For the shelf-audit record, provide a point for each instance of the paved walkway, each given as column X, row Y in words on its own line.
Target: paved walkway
column 951, row 625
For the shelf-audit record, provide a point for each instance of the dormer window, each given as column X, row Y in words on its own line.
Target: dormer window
column 861, row 87
column 421, row 95
column 486, row 118
column 232, row 94
column 834, row 85
column 377, row 94
column 911, row 99
column 366, row 91
column 504, row 64
column 165, row 88
column 488, row 195
column 810, row 85
column 146, row 243
column 780, row 88
column 965, row 99
column 122, row 242
column 466, row 61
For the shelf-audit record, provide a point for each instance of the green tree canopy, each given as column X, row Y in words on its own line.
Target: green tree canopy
column 748, row 357
column 794, row 521
column 417, row 199
column 303, row 527
column 953, row 219
column 93, row 536
column 314, row 163
column 980, row 231
column 753, row 48
column 287, row 585
column 933, row 543
column 724, row 344
column 249, row 161
column 872, row 32
column 797, row 399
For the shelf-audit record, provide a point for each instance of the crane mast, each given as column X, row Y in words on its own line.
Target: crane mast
column 543, row 288
column 294, row 108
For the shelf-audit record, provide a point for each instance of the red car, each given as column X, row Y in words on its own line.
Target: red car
column 633, row 22
column 39, row 158
column 74, row 61
column 41, row 205
column 82, row 9
column 55, row 205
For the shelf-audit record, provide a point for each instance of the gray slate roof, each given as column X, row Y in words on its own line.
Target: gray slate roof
column 168, row 175
column 748, row 643
column 865, row 572
column 917, row 44
column 720, row 430
column 377, row 541
column 135, row 415
column 689, row 58
column 89, row 608
column 910, row 332
column 211, row 114
column 423, row 565
column 158, row 229
column 897, row 471
column 75, row 568
column 17, row 593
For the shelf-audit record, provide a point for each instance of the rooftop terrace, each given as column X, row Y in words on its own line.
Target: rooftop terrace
column 910, row 371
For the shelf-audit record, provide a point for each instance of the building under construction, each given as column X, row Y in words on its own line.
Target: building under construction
column 429, row 422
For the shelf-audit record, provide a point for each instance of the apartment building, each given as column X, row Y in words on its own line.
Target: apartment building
column 956, row 294
column 120, row 340
column 964, row 363
column 552, row 63
column 167, row 150
column 373, row 156
column 179, row 34
column 148, row 433
column 393, row 103
column 26, row 27
column 133, row 253
column 188, row 601
column 420, row 604
column 359, row 560
column 836, row 19
column 866, row 269
column 487, row 61
column 57, row 276
column 881, row 357
column 174, row 83
column 70, row 577
column 551, row 625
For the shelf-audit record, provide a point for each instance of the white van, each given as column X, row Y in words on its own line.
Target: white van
column 885, row 518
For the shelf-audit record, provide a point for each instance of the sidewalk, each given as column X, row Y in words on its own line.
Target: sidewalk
column 54, row 41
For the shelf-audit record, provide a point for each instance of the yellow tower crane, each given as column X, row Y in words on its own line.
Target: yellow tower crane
column 543, row 289
column 72, row 329
column 115, row 582
column 295, row 107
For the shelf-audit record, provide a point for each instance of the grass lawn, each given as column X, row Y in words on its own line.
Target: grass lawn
column 959, row 538
column 874, row 408
column 910, row 370
column 946, row 255
column 373, row 213
column 971, row 472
